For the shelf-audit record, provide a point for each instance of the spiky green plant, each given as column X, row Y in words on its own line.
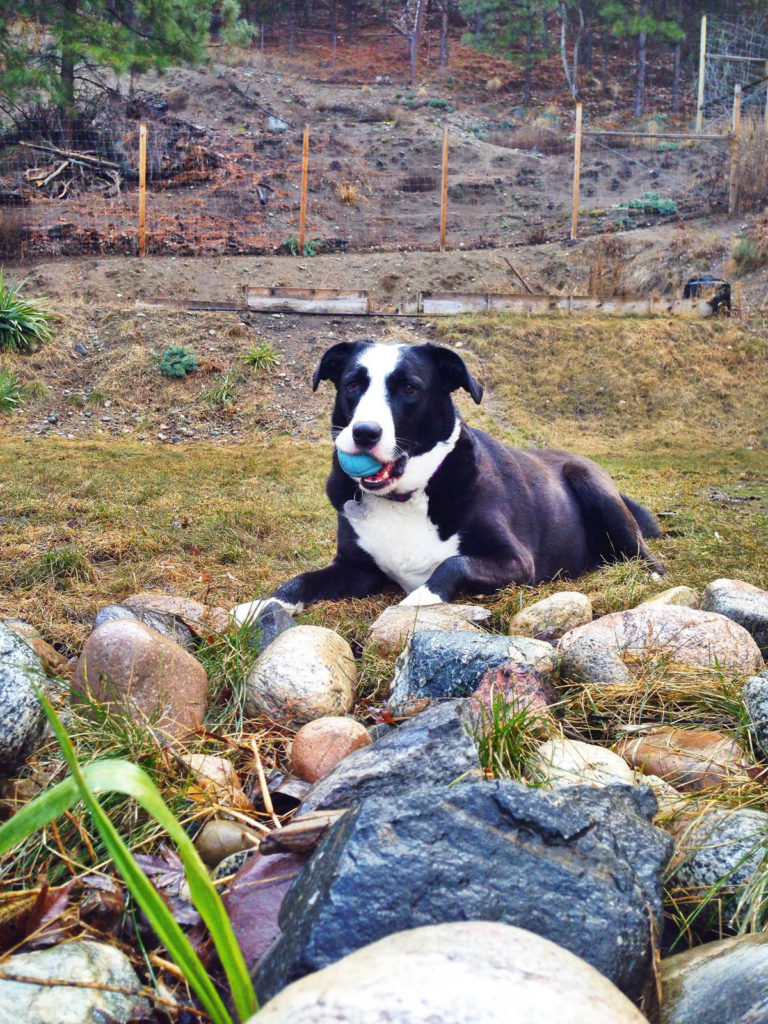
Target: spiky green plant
column 261, row 356
column 23, row 323
column 508, row 735
column 10, row 391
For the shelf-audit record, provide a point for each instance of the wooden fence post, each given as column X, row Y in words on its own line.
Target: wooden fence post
column 142, row 190
column 304, row 167
column 576, row 173
column 444, row 198
column 702, row 70
column 733, row 184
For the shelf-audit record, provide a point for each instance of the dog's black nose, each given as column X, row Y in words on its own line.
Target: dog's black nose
column 365, row 435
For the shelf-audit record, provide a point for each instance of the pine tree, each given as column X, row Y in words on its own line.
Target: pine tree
column 514, row 28
column 51, row 49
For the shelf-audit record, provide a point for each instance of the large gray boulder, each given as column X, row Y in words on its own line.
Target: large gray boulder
column 22, row 721
column 722, row 982
column 459, row 973
column 581, row 867
column 432, row 748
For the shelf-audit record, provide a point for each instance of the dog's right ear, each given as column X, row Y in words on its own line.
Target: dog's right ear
column 332, row 364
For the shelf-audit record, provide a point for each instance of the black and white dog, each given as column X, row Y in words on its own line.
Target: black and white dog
column 450, row 509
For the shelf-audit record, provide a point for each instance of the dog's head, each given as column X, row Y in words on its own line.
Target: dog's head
column 394, row 402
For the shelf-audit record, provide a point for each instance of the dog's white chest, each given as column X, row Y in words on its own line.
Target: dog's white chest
column 402, row 539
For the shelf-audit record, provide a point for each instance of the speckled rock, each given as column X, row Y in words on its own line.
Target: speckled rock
column 132, row 667
column 271, row 621
column 431, row 748
column 458, row 973
column 439, row 665
column 396, row 624
column 519, row 686
column 743, row 603
column 307, row 672
column 553, row 617
column 686, row 636
column 22, row 721
column 722, row 982
column 590, row 659
column 722, row 846
column 689, row 759
column 687, row 597
column 163, row 623
column 95, row 963
column 53, row 663
column 319, row 745
column 565, row 762
column 755, row 696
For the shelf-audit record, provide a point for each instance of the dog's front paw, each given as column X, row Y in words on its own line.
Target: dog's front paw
column 247, row 614
column 421, row 596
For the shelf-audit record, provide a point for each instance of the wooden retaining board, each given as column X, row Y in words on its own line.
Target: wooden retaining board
column 306, row 300
column 449, row 304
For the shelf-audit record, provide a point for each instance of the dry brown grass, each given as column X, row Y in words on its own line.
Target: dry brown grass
column 541, row 134
column 599, row 384
column 348, row 192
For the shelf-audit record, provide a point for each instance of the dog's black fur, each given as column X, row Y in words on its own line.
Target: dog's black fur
column 499, row 515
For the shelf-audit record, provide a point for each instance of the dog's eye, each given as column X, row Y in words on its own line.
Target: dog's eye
column 352, row 386
column 409, row 389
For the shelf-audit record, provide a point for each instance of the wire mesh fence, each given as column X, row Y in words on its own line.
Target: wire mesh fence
column 373, row 181
column 659, row 177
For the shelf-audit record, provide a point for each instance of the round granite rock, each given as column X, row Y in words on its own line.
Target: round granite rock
column 457, row 973
column 22, row 720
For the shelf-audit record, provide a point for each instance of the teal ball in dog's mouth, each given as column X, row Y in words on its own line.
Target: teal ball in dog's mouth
column 359, row 465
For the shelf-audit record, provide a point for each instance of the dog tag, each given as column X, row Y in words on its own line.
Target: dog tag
column 354, row 509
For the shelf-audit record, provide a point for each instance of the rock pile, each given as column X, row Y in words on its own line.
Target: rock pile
column 482, row 896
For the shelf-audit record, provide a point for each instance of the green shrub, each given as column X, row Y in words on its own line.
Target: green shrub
column 23, row 324
column 747, row 255
column 223, row 391
column 10, row 391
column 177, row 361
column 261, row 356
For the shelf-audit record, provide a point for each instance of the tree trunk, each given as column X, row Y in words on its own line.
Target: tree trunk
column 641, row 66
column 527, row 81
column 444, row 35
column 676, row 77
column 68, row 61
column 564, row 50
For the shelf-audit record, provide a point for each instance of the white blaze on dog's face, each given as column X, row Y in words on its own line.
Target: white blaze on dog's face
column 366, row 383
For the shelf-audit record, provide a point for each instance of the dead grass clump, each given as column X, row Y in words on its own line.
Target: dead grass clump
column 493, row 85
column 753, row 168
column 540, row 135
column 750, row 252
column 659, row 692
column 348, row 192
column 13, row 234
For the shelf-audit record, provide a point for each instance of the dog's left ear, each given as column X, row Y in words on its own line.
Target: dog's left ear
column 453, row 370
column 332, row 364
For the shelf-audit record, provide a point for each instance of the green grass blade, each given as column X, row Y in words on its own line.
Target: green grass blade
column 123, row 776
